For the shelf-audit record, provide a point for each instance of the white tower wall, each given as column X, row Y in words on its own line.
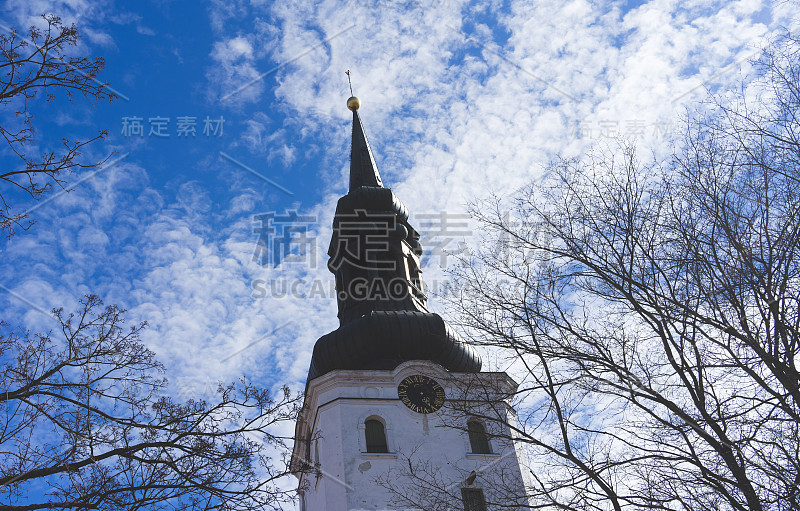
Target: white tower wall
column 342, row 476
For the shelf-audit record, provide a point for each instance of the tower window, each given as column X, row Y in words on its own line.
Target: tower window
column 473, row 499
column 375, row 435
column 478, row 440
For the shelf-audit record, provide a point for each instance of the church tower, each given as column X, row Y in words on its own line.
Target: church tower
column 397, row 413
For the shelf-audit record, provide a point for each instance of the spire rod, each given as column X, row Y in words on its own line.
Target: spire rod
column 349, row 82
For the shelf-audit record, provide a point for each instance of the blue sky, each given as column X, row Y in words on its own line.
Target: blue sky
column 459, row 99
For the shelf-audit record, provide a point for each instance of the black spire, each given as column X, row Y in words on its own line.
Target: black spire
column 363, row 171
column 375, row 256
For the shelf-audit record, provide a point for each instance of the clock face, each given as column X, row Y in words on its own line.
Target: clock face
column 421, row 394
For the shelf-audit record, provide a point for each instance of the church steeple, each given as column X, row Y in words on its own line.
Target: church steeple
column 363, row 171
column 375, row 257
column 379, row 384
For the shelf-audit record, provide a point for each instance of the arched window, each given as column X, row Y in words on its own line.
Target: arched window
column 473, row 499
column 375, row 435
column 478, row 440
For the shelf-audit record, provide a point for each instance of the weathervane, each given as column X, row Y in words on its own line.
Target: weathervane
column 353, row 103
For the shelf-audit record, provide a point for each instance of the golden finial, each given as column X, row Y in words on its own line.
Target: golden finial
column 353, row 103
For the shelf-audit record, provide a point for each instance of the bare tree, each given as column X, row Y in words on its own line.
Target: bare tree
column 653, row 311
column 86, row 424
column 38, row 68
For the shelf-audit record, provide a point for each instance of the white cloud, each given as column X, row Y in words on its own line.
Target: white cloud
column 231, row 50
column 234, row 70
